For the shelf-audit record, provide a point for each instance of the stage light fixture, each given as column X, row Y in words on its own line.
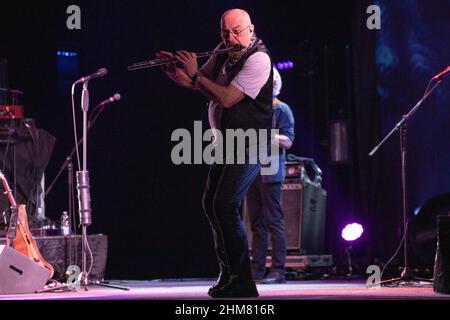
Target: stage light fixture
column 284, row 65
column 352, row 231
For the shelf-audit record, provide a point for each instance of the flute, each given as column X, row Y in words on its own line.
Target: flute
column 163, row 61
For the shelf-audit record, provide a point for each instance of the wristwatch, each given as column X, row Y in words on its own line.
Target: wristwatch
column 195, row 78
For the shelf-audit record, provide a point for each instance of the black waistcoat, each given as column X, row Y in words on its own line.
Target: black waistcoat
column 248, row 113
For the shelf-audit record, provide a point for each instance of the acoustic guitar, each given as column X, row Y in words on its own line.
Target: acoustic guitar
column 19, row 233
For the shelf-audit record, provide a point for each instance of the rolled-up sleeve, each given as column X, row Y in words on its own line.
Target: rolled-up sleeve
column 254, row 74
column 285, row 122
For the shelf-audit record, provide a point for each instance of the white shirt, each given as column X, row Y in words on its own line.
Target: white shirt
column 250, row 80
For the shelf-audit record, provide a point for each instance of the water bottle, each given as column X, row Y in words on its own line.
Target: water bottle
column 65, row 226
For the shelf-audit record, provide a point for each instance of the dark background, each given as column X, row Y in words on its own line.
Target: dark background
column 151, row 209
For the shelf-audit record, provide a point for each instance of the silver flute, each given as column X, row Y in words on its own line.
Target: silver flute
column 164, row 61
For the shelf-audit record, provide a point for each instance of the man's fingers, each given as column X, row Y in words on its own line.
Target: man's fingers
column 182, row 55
column 164, row 54
column 186, row 55
column 180, row 58
column 190, row 55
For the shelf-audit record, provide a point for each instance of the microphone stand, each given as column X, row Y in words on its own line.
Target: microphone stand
column 84, row 198
column 83, row 188
column 406, row 275
column 69, row 165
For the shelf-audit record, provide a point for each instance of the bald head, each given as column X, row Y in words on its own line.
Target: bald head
column 236, row 28
column 238, row 13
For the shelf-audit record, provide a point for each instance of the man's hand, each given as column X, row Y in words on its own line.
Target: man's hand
column 175, row 73
column 189, row 61
column 282, row 141
column 169, row 68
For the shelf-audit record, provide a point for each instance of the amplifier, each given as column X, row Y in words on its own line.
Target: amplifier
column 304, row 208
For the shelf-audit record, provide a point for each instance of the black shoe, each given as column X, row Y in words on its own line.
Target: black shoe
column 258, row 279
column 220, row 283
column 273, row 278
column 257, row 276
column 236, row 290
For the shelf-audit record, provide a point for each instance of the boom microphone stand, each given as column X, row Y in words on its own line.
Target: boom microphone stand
column 407, row 275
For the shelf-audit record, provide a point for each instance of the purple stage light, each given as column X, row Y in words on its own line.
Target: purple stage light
column 284, row 65
column 352, row 231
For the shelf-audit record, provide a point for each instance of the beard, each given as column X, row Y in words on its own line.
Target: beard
column 236, row 54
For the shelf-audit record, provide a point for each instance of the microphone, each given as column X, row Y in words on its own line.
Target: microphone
column 112, row 99
column 99, row 73
column 442, row 74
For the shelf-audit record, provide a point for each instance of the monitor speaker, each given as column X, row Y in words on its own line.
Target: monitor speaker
column 19, row 274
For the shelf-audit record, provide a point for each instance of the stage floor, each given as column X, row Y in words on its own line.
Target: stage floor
column 196, row 289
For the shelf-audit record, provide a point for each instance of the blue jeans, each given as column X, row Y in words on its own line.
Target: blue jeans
column 225, row 189
column 266, row 217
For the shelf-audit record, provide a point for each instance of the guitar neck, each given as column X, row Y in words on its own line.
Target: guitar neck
column 14, row 219
column 8, row 190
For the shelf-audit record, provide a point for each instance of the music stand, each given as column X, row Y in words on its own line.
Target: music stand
column 406, row 275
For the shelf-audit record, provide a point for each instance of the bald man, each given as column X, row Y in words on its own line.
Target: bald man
column 239, row 86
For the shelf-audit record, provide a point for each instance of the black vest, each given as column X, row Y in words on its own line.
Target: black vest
column 248, row 113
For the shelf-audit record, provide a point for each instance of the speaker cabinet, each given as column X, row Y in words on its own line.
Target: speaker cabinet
column 292, row 203
column 19, row 274
column 313, row 219
column 441, row 283
column 304, row 208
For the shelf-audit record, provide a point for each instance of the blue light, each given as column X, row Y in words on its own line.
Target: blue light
column 417, row 210
column 66, row 54
column 280, row 66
